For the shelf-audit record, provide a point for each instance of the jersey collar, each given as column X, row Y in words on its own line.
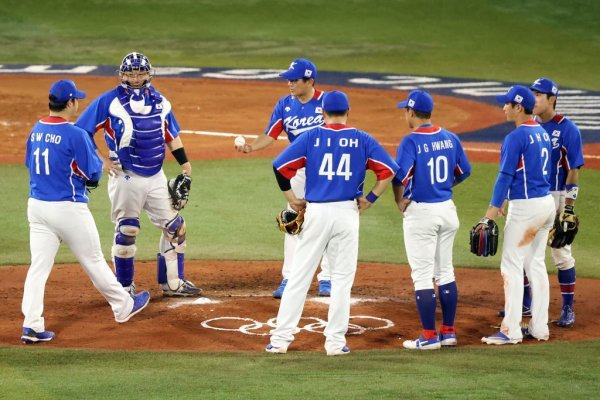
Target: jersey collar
column 336, row 127
column 318, row 94
column 428, row 129
column 558, row 118
column 531, row 122
column 53, row 120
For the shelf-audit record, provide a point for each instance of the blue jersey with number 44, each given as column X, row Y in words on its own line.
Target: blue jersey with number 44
column 60, row 158
column 431, row 161
column 336, row 159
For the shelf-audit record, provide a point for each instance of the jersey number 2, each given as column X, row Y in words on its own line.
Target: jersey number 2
column 545, row 157
column 343, row 168
column 36, row 153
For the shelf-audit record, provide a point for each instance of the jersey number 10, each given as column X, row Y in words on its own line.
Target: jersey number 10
column 36, row 153
column 438, row 169
column 343, row 168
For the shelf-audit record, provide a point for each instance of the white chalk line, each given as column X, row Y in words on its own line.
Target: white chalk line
column 281, row 137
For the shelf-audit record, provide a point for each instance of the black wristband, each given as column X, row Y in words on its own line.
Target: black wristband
column 180, row 156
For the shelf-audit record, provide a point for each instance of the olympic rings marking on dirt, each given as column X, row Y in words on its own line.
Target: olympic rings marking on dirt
column 317, row 326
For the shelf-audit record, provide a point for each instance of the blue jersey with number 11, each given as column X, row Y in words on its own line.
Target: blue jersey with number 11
column 431, row 161
column 336, row 159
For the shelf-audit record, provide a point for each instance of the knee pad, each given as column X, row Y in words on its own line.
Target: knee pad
column 175, row 233
column 125, row 234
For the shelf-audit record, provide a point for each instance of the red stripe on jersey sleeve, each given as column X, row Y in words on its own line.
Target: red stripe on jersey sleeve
column 381, row 170
column 276, row 129
column 408, row 176
column 77, row 171
column 458, row 171
column 168, row 135
column 289, row 169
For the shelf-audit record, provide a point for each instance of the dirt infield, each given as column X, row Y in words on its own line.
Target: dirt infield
column 82, row 319
column 243, row 107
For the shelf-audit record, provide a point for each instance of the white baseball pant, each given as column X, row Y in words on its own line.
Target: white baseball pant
column 429, row 231
column 332, row 226
column 524, row 247
column 51, row 222
column 298, row 183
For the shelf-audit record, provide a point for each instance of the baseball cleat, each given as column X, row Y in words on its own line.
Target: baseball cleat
column 339, row 352
column 279, row 292
column 567, row 317
column 422, row 344
column 277, row 350
column 325, row 288
column 526, row 312
column 186, row 288
column 130, row 289
column 140, row 301
column 31, row 336
column 447, row 339
column 499, row 339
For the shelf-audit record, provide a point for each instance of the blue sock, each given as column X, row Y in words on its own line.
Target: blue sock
column 526, row 293
column 124, row 270
column 426, row 303
column 566, row 279
column 448, row 295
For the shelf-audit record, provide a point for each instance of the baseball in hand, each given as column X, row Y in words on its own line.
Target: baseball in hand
column 239, row 141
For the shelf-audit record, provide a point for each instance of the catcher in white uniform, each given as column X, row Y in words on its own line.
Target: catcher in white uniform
column 62, row 164
column 523, row 179
column 138, row 125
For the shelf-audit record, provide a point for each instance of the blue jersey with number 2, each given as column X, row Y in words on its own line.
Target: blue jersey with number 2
column 336, row 159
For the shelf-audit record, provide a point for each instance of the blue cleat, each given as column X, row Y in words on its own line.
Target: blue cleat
column 325, row 288
column 500, row 339
column 422, row 344
column 140, row 301
column 447, row 339
column 567, row 317
column 31, row 336
column 279, row 292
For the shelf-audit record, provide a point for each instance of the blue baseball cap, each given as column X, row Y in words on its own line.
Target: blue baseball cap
column 418, row 100
column 520, row 95
column 545, row 85
column 335, row 101
column 65, row 90
column 300, row 68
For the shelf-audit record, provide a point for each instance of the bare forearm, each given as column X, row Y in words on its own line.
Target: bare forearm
column 260, row 143
column 176, row 144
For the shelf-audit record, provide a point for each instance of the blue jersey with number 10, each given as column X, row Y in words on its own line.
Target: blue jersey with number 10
column 336, row 159
column 431, row 160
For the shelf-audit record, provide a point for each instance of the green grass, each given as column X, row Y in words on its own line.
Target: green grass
column 475, row 373
column 508, row 40
column 240, row 210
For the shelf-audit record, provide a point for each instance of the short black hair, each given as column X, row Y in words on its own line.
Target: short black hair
column 56, row 106
column 420, row 114
column 528, row 111
column 337, row 113
column 548, row 95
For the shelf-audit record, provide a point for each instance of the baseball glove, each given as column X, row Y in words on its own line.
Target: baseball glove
column 179, row 190
column 566, row 225
column 289, row 221
column 484, row 242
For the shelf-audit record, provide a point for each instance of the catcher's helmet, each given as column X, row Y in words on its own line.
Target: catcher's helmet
column 135, row 62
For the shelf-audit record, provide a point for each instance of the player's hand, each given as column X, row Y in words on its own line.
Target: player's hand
column 363, row 204
column 245, row 148
column 502, row 209
column 298, row 204
column 111, row 167
column 186, row 169
column 402, row 204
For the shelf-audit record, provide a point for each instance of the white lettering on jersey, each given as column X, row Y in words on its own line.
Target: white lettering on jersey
column 52, row 138
column 345, row 142
column 316, row 143
column 295, row 126
column 555, row 139
column 442, row 145
column 36, row 136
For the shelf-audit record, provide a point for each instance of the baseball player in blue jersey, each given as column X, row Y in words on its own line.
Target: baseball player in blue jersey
column 432, row 161
column 138, row 124
column 523, row 179
column 336, row 158
column 61, row 160
column 296, row 113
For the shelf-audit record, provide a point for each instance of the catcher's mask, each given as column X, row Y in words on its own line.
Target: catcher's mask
column 135, row 71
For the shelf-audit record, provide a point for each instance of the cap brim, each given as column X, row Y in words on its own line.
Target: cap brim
column 291, row 75
column 79, row 94
column 503, row 98
column 403, row 104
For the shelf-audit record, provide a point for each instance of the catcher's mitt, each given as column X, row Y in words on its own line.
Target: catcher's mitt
column 484, row 242
column 289, row 221
column 179, row 190
column 566, row 225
